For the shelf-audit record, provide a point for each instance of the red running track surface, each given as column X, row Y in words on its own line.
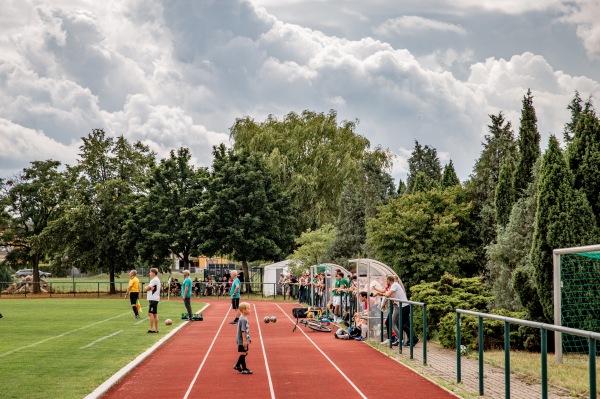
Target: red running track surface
column 198, row 361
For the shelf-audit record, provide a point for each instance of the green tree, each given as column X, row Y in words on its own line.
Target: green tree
column 564, row 218
column 351, row 230
column 529, row 145
column 424, row 235
column 498, row 147
column 402, row 189
column 313, row 245
column 423, row 160
column 31, row 201
column 245, row 213
column 449, row 177
column 584, row 157
column 576, row 110
column 90, row 233
column 511, row 251
column 312, row 157
column 505, row 194
column 167, row 219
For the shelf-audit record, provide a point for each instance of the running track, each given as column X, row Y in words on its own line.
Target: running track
column 197, row 362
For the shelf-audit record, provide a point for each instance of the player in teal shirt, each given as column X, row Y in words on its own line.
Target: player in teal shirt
column 235, row 295
column 186, row 292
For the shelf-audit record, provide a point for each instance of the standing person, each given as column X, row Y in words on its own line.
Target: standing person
column 186, row 292
column 235, row 296
column 281, row 284
column 242, row 338
column 304, row 284
column 396, row 291
column 133, row 290
column 341, row 284
column 153, row 297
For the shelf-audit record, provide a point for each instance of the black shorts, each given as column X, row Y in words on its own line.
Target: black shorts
column 153, row 307
column 241, row 348
column 133, row 297
column 235, row 303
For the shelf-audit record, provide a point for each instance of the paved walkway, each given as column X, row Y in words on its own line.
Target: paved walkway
column 441, row 367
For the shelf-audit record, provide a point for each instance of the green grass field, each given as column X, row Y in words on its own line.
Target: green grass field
column 65, row 348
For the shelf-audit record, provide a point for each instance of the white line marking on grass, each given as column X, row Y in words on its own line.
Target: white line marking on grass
column 262, row 343
column 106, row 385
column 60, row 335
column 326, row 357
column 142, row 320
column 101, row 339
column 206, row 356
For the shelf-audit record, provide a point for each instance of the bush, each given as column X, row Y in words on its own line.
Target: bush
column 445, row 296
column 6, row 276
column 493, row 331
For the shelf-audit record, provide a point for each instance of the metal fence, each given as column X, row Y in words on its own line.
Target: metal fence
column 544, row 328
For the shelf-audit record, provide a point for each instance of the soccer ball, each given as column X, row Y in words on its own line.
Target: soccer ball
column 273, row 319
column 463, row 350
column 168, row 322
column 266, row 319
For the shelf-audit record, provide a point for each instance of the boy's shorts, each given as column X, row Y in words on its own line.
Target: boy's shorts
column 153, row 307
column 336, row 300
column 241, row 348
column 235, row 303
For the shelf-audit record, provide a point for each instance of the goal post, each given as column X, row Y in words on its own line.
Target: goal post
column 576, row 291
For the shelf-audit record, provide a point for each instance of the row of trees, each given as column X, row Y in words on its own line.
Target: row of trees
column 310, row 188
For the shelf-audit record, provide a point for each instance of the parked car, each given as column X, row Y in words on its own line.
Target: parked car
column 29, row 272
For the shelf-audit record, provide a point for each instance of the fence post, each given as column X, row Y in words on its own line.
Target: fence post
column 425, row 334
column 544, row 343
column 389, row 324
column 506, row 359
column 411, row 330
column 480, row 344
column 457, row 347
column 592, row 344
column 400, row 322
column 381, row 329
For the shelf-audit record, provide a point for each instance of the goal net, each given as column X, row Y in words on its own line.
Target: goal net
column 576, row 296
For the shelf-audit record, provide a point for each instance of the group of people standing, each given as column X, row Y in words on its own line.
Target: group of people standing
column 153, row 293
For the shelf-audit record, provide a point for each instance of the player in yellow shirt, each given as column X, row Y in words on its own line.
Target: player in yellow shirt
column 133, row 290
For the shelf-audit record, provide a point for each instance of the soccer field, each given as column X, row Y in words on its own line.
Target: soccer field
column 64, row 348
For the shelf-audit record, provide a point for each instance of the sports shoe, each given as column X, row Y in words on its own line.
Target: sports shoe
column 150, row 331
column 395, row 342
column 238, row 368
column 247, row 371
column 359, row 338
column 387, row 341
column 137, row 316
column 233, row 322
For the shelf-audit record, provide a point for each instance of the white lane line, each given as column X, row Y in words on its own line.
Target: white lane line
column 262, row 344
column 101, row 339
column 326, row 357
column 106, row 385
column 206, row 356
column 61, row 335
column 142, row 320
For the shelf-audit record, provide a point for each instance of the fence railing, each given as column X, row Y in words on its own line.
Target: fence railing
column 103, row 288
column 544, row 328
column 411, row 325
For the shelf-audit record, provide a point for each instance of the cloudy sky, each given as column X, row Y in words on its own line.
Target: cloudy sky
column 175, row 73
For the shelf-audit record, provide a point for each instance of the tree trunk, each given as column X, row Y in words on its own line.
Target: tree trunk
column 112, row 281
column 36, row 274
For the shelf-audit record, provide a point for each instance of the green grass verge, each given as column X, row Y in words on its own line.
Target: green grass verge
column 65, row 348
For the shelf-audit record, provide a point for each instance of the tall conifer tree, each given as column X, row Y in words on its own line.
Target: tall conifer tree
column 564, row 218
column 529, row 145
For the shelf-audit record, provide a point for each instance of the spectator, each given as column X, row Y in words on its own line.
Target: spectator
column 303, row 289
column 197, row 286
column 396, row 291
column 153, row 297
column 293, row 286
column 281, row 284
column 241, row 278
column 339, row 287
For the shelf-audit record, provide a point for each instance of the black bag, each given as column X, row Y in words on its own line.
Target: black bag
column 299, row 313
column 354, row 332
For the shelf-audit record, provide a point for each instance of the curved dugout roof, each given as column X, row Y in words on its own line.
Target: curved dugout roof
column 371, row 271
column 328, row 268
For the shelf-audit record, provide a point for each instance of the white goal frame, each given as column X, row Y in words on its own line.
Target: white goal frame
column 558, row 352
